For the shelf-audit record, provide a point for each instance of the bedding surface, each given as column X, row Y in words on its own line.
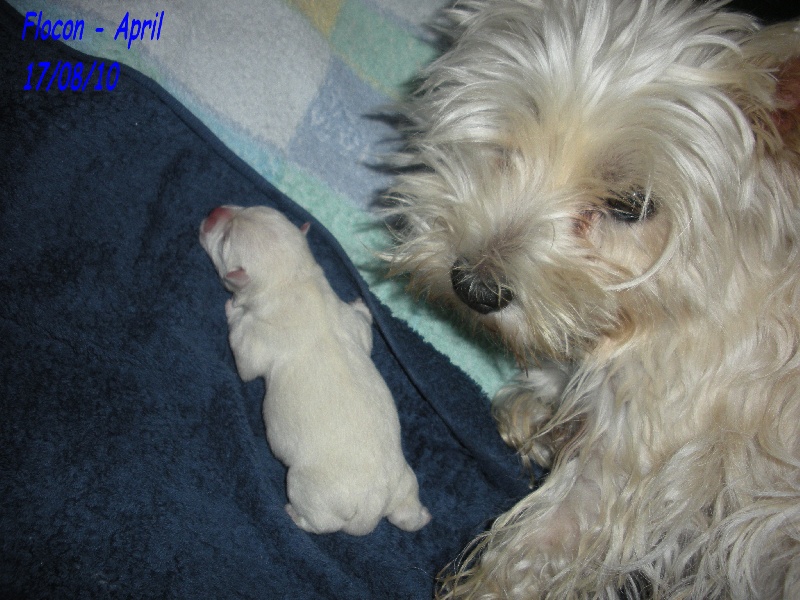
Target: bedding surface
column 299, row 90
column 133, row 461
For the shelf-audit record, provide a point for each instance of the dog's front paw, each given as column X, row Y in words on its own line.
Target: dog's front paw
column 524, row 410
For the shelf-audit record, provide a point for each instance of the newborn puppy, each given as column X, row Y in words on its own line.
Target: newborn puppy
column 328, row 413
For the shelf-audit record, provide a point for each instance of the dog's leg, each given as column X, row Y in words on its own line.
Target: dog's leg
column 543, row 547
column 524, row 410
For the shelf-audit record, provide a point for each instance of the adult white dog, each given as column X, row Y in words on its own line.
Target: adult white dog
column 613, row 187
column 328, row 413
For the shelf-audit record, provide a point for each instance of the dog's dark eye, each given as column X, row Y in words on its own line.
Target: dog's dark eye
column 631, row 206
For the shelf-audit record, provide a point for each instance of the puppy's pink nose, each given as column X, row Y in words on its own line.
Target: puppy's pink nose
column 219, row 213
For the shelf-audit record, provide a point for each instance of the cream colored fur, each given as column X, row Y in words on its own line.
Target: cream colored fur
column 660, row 357
column 328, row 413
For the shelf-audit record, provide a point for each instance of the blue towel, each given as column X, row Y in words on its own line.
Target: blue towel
column 133, row 461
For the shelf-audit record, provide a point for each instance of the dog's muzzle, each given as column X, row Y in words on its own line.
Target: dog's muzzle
column 478, row 289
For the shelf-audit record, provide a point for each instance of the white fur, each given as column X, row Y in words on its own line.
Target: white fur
column 328, row 413
column 669, row 403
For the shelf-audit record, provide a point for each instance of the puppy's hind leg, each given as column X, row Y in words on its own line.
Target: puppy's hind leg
column 409, row 514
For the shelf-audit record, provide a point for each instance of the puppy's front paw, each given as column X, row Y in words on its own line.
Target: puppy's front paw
column 361, row 308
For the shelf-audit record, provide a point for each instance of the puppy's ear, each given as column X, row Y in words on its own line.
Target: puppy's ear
column 235, row 280
column 304, row 228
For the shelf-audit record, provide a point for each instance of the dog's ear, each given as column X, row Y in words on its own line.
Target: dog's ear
column 787, row 112
column 769, row 86
column 304, row 228
column 235, row 280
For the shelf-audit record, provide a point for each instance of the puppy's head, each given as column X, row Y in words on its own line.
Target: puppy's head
column 255, row 247
column 577, row 172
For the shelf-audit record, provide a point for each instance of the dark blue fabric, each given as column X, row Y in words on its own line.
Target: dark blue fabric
column 133, row 461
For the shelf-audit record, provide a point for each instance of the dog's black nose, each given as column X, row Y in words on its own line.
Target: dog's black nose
column 478, row 289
